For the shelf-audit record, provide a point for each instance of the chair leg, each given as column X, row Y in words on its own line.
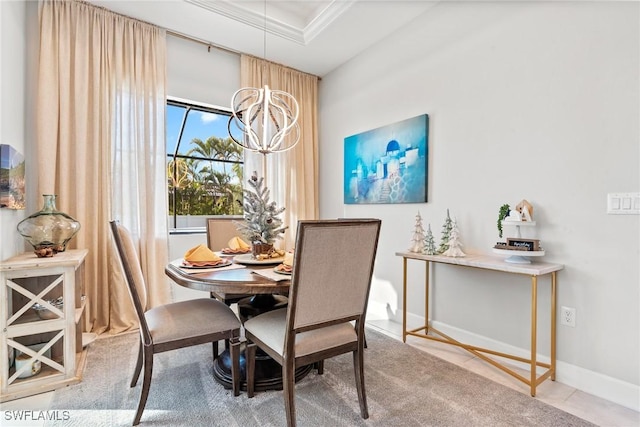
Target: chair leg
column 136, row 372
column 250, row 364
column 320, row 367
column 215, row 350
column 146, row 382
column 235, row 365
column 288, row 384
column 358, row 367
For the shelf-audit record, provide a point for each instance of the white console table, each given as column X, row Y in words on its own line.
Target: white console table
column 486, row 262
column 24, row 281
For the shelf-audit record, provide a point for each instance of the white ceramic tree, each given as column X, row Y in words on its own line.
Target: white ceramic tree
column 455, row 244
column 417, row 240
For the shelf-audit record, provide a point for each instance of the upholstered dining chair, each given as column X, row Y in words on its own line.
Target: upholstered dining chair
column 174, row 325
column 330, row 283
column 219, row 231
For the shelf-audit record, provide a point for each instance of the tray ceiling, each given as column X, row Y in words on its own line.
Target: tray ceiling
column 311, row 36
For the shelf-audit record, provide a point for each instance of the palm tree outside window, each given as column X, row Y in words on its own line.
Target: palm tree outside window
column 204, row 166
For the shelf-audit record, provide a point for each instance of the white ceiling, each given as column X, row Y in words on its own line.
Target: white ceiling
column 308, row 35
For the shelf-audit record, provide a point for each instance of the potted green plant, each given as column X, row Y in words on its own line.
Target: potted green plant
column 262, row 224
column 502, row 214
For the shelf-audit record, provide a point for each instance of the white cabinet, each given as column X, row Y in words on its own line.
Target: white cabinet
column 54, row 341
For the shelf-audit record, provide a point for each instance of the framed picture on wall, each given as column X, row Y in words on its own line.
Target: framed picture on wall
column 12, row 188
column 388, row 164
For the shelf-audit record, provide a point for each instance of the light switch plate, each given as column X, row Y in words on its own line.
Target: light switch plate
column 623, row 203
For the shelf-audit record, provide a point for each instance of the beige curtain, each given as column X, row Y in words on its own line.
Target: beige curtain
column 292, row 176
column 101, row 148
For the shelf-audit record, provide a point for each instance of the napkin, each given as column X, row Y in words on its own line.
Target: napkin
column 201, row 255
column 237, row 246
column 288, row 259
column 287, row 264
column 238, row 243
column 185, row 268
column 270, row 274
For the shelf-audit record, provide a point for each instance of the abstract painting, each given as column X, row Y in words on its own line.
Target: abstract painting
column 388, row 164
column 12, row 188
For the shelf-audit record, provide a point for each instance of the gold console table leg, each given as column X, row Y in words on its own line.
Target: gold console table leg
column 553, row 326
column 534, row 331
column 404, row 300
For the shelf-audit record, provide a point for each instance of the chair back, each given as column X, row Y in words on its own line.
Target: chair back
column 332, row 272
column 220, row 230
column 133, row 275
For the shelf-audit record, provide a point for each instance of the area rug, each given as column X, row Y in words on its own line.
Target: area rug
column 405, row 387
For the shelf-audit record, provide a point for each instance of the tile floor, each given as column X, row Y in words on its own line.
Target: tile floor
column 583, row 405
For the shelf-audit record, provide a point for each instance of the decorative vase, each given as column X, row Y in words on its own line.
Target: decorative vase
column 259, row 248
column 48, row 230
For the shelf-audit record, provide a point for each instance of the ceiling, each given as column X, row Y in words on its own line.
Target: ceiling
column 310, row 36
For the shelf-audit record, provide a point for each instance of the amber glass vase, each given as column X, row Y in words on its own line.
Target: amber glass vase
column 48, row 230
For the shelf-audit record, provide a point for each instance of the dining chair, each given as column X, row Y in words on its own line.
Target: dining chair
column 219, row 231
column 173, row 325
column 330, row 283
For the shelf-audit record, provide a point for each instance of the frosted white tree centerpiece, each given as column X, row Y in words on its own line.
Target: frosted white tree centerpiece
column 262, row 225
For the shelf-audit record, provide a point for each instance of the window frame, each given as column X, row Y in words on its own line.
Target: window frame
column 190, row 105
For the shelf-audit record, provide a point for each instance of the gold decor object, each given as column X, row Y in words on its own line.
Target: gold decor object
column 48, row 230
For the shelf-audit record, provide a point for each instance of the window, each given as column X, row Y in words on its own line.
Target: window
column 204, row 165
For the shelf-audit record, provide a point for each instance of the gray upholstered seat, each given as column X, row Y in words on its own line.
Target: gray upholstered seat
column 332, row 271
column 187, row 319
column 175, row 325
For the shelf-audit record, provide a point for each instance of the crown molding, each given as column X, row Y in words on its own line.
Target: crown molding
column 294, row 33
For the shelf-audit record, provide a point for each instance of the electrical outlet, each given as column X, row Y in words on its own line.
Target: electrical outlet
column 568, row 316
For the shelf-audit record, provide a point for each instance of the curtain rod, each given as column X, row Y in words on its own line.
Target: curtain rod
column 226, row 49
column 202, row 42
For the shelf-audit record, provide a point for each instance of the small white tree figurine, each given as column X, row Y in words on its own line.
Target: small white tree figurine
column 417, row 240
column 455, row 245
column 429, row 243
column 446, row 233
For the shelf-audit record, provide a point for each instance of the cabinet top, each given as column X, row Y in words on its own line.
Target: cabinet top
column 70, row 257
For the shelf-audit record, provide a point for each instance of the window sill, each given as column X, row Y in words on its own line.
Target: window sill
column 182, row 231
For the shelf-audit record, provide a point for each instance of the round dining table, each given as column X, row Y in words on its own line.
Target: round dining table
column 263, row 294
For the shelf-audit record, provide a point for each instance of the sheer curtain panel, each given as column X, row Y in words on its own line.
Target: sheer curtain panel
column 292, row 176
column 100, row 123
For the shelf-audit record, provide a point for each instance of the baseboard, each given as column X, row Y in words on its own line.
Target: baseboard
column 591, row 382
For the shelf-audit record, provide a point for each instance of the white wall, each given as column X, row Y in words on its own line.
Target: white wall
column 526, row 100
column 197, row 74
column 12, row 121
column 549, row 89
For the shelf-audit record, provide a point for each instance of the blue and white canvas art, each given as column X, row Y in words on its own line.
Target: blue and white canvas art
column 388, row 164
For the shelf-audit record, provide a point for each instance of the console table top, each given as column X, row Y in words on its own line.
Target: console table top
column 487, row 262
